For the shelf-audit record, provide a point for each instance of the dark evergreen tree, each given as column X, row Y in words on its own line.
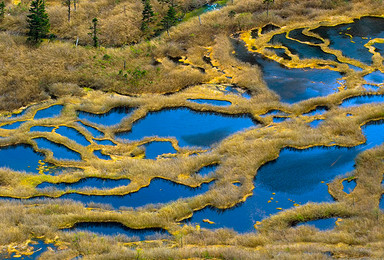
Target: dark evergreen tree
column 2, row 10
column 93, row 33
column 170, row 19
column 38, row 22
column 147, row 15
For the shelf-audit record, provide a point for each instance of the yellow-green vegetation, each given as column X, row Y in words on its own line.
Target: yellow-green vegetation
column 195, row 61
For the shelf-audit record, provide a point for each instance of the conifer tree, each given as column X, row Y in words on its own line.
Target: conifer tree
column 93, row 33
column 147, row 15
column 268, row 2
column 2, row 10
column 38, row 22
column 170, row 19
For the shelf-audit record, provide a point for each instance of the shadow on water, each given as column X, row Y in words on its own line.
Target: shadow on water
column 296, row 177
column 20, row 158
column 362, row 100
column 72, row 134
column 59, row 150
column 213, row 102
column 322, row 224
column 115, row 228
column 292, row 85
column 52, row 111
column 159, row 191
column 350, row 38
column 189, row 127
column 112, row 117
column 154, row 149
column 86, row 183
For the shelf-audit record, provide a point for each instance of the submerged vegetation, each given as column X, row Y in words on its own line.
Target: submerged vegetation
column 153, row 125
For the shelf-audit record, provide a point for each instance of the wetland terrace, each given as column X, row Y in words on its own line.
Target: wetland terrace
column 192, row 129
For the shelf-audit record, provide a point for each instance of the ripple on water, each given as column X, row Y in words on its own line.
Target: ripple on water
column 189, row 127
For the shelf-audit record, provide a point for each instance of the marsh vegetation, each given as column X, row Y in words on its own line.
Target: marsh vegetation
column 237, row 132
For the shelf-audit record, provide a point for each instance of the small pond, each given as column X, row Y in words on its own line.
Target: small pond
column 189, row 127
column 90, row 182
column 51, row 111
column 115, row 228
column 154, row 149
column 20, row 158
column 322, row 224
column 72, row 134
column 213, row 102
column 362, row 100
column 59, row 151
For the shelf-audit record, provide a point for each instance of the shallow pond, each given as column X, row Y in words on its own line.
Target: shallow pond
column 41, row 129
column 349, row 186
column 213, row 102
column 112, row 117
column 302, row 50
column 292, row 85
column 322, row 224
column 59, row 150
column 114, row 229
column 296, row 177
column 189, row 127
column 39, row 247
column 376, row 77
column 362, row 100
column 154, row 149
column 350, row 38
column 20, row 158
column 159, row 191
column 72, row 134
column 101, row 155
column 91, row 182
column 51, row 111
column 93, row 131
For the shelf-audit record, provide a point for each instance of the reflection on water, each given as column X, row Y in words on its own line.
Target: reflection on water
column 189, row 127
